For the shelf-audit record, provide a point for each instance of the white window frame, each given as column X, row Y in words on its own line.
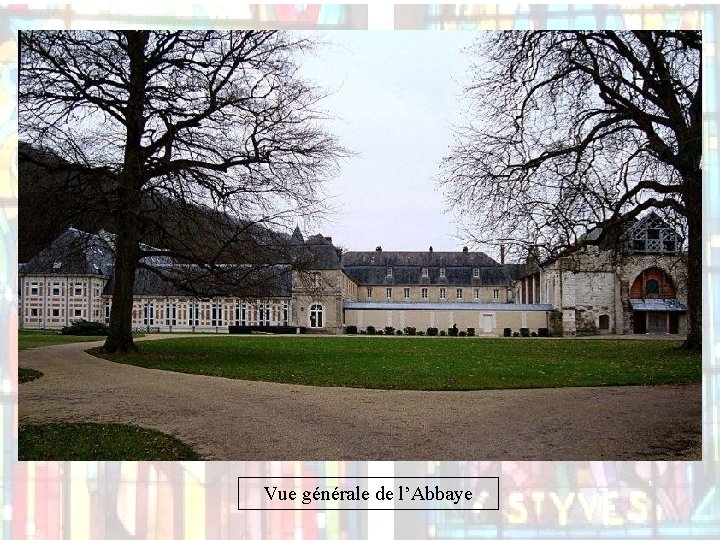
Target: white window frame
column 216, row 314
column 148, row 314
column 389, row 271
column 424, row 293
column 476, row 294
column 77, row 312
column 443, row 293
column 476, row 272
column 34, row 289
column 442, row 272
column 406, row 292
column 55, row 290
column 424, row 272
column 388, row 292
column 458, row 294
column 369, row 292
column 170, row 314
column 496, row 294
column 313, row 312
column 56, row 312
column 34, row 312
column 78, row 290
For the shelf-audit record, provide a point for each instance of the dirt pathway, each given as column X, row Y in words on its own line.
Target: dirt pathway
column 235, row 420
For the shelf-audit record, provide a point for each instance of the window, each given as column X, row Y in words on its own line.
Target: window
column 369, row 292
column 406, row 292
column 316, row 316
column 442, row 272
column 216, row 314
column 34, row 289
column 388, row 292
column 107, row 313
column 458, row 294
column 442, row 293
column 34, row 312
column 476, row 272
column 476, row 294
column 424, row 292
column 78, row 290
column 55, row 312
column 194, row 319
column 78, row 313
column 389, row 271
column 57, row 265
column 316, row 279
column 286, row 315
column 652, row 286
column 149, row 315
column 425, row 272
column 56, row 289
column 170, row 312
column 496, row 294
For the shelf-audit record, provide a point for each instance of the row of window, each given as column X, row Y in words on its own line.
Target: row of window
column 424, row 293
column 57, row 312
column 261, row 315
column 56, row 289
column 425, row 272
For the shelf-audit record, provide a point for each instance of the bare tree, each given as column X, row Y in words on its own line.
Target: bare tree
column 174, row 122
column 575, row 131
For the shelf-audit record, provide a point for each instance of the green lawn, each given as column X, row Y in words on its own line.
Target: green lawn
column 103, row 442
column 424, row 363
column 27, row 375
column 31, row 339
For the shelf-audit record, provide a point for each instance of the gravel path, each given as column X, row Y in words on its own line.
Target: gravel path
column 235, row 420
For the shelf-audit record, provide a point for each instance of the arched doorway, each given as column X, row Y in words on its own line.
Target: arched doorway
column 654, row 303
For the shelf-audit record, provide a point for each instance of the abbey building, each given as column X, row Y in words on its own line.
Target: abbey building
column 639, row 288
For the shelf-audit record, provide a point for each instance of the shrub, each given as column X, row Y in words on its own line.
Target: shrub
column 267, row 329
column 432, row 331
column 543, row 332
column 452, row 331
column 462, row 333
column 525, row 332
column 389, row 331
column 516, row 334
column 410, row 330
column 442, row 332
column 371, row 330
column 398, row 332
column 352, row 329
column 507, row 332
column 533, row 334
column 420, row 333
column 379, row 333
column 85, row 328
column 470, row 332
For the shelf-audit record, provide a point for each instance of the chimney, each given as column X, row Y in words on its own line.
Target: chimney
column 379, row 248
column 502, row 254
column 430, row 249
column 465, row 249
column 328, row 239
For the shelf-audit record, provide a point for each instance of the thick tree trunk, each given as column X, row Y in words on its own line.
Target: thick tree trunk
column 693, row 203
column 129, row 190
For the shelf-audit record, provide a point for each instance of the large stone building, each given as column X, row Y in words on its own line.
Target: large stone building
column 639, row 288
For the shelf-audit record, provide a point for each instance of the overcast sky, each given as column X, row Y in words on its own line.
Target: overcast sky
column 395, row 96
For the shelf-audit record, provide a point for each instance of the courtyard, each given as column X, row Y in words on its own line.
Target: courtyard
column 224, row 418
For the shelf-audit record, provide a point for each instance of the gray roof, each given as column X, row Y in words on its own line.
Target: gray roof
column 371, row 268
column 657, row 304
column 74, row 252
column 449, row 306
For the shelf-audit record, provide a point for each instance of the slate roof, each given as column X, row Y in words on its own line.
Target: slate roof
column 73, row 252
column 370, row 268
column 657, row 304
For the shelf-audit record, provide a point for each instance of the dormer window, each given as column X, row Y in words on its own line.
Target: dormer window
column 442, row 272
column 57, row 265
column 389, row 271
column 424, row 272
column 476, row 272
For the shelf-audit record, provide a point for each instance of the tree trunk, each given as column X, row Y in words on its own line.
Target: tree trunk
column 693, row 203
column 129, row 189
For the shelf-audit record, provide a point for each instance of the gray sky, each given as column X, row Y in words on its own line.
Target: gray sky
column 395, row 95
